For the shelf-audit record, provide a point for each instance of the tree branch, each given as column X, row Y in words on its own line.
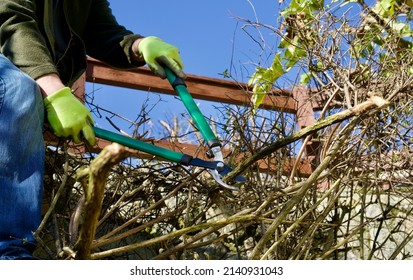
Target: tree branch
column 374, row 102
column 98, row 171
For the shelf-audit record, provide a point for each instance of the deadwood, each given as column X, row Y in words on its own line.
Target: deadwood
column 94, row 190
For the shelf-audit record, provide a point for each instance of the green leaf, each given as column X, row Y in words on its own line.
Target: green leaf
column 277, row 68
column 300, row 6
column 402, row 28
column 264, row 78
column 292, row 55
column 316, row 5
column 257, row 100
column 305, row 78
column 384, row 8
column 284, row 44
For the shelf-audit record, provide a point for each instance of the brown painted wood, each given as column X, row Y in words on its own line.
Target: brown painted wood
column 204, row 88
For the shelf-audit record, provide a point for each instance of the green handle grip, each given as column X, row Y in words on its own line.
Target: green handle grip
column 143, row 146
column 180, row 87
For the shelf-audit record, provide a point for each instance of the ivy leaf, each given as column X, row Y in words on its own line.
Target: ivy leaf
column 293, row 54
column 264, row 78
column 384, row 8
column 257, row 100
column 277, row 67
column 305, row 78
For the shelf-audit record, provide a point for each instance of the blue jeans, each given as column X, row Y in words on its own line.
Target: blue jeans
column 21, row 161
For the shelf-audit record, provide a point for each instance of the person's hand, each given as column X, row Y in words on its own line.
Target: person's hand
column 68, row 117
column 158, row 54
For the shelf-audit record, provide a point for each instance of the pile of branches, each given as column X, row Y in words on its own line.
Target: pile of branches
column 356, row 203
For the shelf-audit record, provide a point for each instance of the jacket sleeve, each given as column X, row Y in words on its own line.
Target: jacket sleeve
column 21, row 40
column 106, row 39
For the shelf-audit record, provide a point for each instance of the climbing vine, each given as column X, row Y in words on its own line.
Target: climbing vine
column 370, row 32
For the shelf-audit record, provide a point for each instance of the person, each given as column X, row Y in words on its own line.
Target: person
column 44, row 45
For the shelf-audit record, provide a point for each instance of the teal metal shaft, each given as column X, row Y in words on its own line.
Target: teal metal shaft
column 142, row 146
column 179, row 85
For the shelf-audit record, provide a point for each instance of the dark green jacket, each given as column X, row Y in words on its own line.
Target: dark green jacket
column 26, row 38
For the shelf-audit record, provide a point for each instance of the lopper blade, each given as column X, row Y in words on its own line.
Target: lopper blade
column 218, row 170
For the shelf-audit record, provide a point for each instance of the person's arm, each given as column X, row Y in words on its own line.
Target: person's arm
column 49, row 84
column 21, row 40
column 135, row 56
column 67, row 116
column 110, row 42
column 107, row 40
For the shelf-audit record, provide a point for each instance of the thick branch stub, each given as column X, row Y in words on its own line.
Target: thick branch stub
column 98, row 172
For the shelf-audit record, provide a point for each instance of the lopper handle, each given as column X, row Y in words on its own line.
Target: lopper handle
column 180, row 87
column 143, row 146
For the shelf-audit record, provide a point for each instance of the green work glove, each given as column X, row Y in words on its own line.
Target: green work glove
column 158, row 54
column 68, row 117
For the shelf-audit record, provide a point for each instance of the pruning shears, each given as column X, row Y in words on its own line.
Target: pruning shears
column 217, row 168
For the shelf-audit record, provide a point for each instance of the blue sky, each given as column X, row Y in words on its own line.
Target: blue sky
column 209, row 37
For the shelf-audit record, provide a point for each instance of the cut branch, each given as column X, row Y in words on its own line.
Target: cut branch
column 98, row 171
